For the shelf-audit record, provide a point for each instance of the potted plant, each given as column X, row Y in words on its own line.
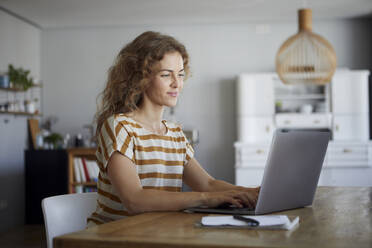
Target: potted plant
column 20, row 78
column 54, row 140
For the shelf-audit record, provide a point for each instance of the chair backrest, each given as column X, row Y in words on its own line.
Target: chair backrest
column 67, row 213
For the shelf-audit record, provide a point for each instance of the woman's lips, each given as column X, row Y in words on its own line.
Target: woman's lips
column 174, row 94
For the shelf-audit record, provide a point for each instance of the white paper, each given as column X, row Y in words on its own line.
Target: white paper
column 268, row 221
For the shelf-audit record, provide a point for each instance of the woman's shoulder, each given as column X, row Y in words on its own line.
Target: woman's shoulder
column 174, row 127
column 121, row 119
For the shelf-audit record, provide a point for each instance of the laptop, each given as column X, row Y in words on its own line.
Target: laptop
column 291, row 173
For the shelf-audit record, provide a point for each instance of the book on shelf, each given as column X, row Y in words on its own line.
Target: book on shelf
column 93, row 170
column 77, row 171
column 83, row 179
column 85, row 170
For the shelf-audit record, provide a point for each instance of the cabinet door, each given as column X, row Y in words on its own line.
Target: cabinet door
column 351, row 127
column 249, row 177
column 251, row 155
column 45, row 175
column 255, row 129
column 350, row 92
column 255, row 95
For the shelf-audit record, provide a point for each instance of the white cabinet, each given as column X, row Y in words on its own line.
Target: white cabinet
column 264, row 104
column 342, row 106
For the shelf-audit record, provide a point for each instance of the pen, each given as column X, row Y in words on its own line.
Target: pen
column 249, row 221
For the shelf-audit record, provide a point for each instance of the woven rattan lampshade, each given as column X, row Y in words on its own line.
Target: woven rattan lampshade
column 306, row 58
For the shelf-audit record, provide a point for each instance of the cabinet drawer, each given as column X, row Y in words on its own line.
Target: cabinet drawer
column 348, row 155
column 303, row 120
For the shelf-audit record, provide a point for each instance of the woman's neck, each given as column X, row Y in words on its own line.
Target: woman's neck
column 150, row 116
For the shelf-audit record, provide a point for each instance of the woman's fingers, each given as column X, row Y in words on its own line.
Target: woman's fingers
column 249, row 197
column 237, row 203
column 240, row 198
column 244, row 198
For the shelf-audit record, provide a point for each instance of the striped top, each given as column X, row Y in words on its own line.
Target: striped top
column 159, row 161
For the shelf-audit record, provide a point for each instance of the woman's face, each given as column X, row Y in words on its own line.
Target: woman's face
column 167, row 83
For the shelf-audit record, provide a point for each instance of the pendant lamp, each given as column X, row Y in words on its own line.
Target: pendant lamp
column 306, row 58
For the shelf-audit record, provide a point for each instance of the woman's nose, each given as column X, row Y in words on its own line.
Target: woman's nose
column 176, row 81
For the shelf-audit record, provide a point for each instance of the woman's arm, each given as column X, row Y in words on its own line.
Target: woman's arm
column 199, row 180
column 124, row 177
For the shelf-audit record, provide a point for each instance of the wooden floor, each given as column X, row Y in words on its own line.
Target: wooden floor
column 28, row 236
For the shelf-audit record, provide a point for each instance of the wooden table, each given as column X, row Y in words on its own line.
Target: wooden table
column 339, row 217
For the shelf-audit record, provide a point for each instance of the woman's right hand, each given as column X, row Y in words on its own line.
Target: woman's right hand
column 234, row 197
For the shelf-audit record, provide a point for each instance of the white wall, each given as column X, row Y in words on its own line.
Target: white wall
column 75, row 62
column 19, row 45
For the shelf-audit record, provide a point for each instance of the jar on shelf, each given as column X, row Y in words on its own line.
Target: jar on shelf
column 29, row 106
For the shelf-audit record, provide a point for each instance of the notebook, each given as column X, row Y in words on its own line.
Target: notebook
column 291, row 173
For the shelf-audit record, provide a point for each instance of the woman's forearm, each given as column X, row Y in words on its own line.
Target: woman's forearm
column 219, row 185
column 148, row 200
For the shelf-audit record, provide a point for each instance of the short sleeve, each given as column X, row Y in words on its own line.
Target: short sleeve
column 113, row 136
column 189, row 150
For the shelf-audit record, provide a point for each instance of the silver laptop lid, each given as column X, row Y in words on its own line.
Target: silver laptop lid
column 292, row 170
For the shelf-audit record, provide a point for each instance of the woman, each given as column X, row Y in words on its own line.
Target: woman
column 144, row 159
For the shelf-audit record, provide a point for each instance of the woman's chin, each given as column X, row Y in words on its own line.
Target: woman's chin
column 171, row 104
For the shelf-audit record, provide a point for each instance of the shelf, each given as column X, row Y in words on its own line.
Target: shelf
column 9, row 100
column 300, row 97
column 19, row 90
column 19, row 113
column 84, row 152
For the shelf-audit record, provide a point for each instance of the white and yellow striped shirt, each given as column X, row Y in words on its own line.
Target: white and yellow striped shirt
column 159, row 161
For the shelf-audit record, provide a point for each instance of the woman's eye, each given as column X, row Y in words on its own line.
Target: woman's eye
column 181, row 75
column 165, row 75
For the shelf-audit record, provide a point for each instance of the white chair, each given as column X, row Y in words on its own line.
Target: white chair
column 67, row 213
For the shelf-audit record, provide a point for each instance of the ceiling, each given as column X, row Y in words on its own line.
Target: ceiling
column 99, row 13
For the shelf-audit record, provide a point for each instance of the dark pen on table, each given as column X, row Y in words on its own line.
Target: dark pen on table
column 249, row 221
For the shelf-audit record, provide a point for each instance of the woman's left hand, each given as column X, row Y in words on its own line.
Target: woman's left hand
column 250, row 196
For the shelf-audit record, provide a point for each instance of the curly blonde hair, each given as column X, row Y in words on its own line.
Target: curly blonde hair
column 129, row 76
